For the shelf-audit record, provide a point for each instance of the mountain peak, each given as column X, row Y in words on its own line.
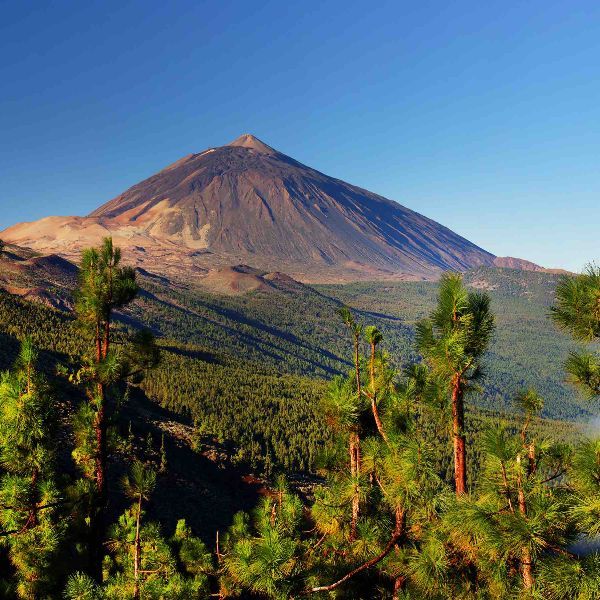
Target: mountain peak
column 247, row 203
column 247, row 140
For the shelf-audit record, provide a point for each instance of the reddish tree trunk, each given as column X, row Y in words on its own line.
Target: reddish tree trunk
column 531, row 457
column 97, row 520
column 459, row 440
column 100, row 432
column 526, row 561
column 106, row 339
column 357, row 365
column 374, row 408
column 355, row 472
column 527, row 569
column 98, row 343
column 399, row 585
column 530, row 447
column 377, row 418
column 100, row 424
column 355, row 447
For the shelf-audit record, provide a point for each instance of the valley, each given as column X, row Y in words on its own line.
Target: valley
column 235, row 356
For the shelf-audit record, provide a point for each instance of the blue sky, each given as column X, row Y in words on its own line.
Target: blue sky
column 484, row 116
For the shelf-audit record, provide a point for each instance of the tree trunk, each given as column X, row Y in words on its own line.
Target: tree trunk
column 97, row 518
column 527, row 569
column 100, row 421
column 34, row 488
column 355, row 472
column 106, row 338
column 357, row 365
column 526, row 561
column 531, row 457
column 97, row 521
column 98, row 343
column 355, row 447
column 459, row 440
column 377, row 418
column 137, row 552
column 530, row 447
column 506, row 487
column 100, row 432
column 100, row 426
column 374, row 408
column 399, row 585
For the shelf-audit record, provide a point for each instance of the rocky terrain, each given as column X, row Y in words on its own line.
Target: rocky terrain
column 48, row 279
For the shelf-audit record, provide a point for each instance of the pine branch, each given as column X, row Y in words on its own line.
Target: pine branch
column 12, row 532
column 555, row 476
column 396, row 535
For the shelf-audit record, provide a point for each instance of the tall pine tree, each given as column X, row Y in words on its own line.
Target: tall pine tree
column 104, row 286
column 452, row 342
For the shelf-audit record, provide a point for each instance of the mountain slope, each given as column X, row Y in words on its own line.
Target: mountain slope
column 47, row 279
column 248, row 203
column 276, row 323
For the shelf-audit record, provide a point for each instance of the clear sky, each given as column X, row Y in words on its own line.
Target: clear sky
column 484, row 116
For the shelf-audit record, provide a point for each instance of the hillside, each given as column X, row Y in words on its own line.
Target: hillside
column 298, row 330
column 253, row 410
column 49, row 279
column 292, row 328
column 527, row 349
column 231, row 404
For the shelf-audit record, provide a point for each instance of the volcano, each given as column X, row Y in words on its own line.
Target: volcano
column 247, row 203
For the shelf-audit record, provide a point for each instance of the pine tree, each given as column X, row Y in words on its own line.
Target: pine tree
column 263, row 552
column 566, row 576
column 138, row 486
column 452, row 342
column 141, row 562
column 519, row 516
column 104, row 286
column 398, row 486
column 374, row 337
column 30, row 499
column 577, row 310
column 343, row 411
column 354, row 423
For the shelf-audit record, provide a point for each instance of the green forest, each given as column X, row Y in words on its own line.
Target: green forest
column 387, row 440
column 296, row 331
